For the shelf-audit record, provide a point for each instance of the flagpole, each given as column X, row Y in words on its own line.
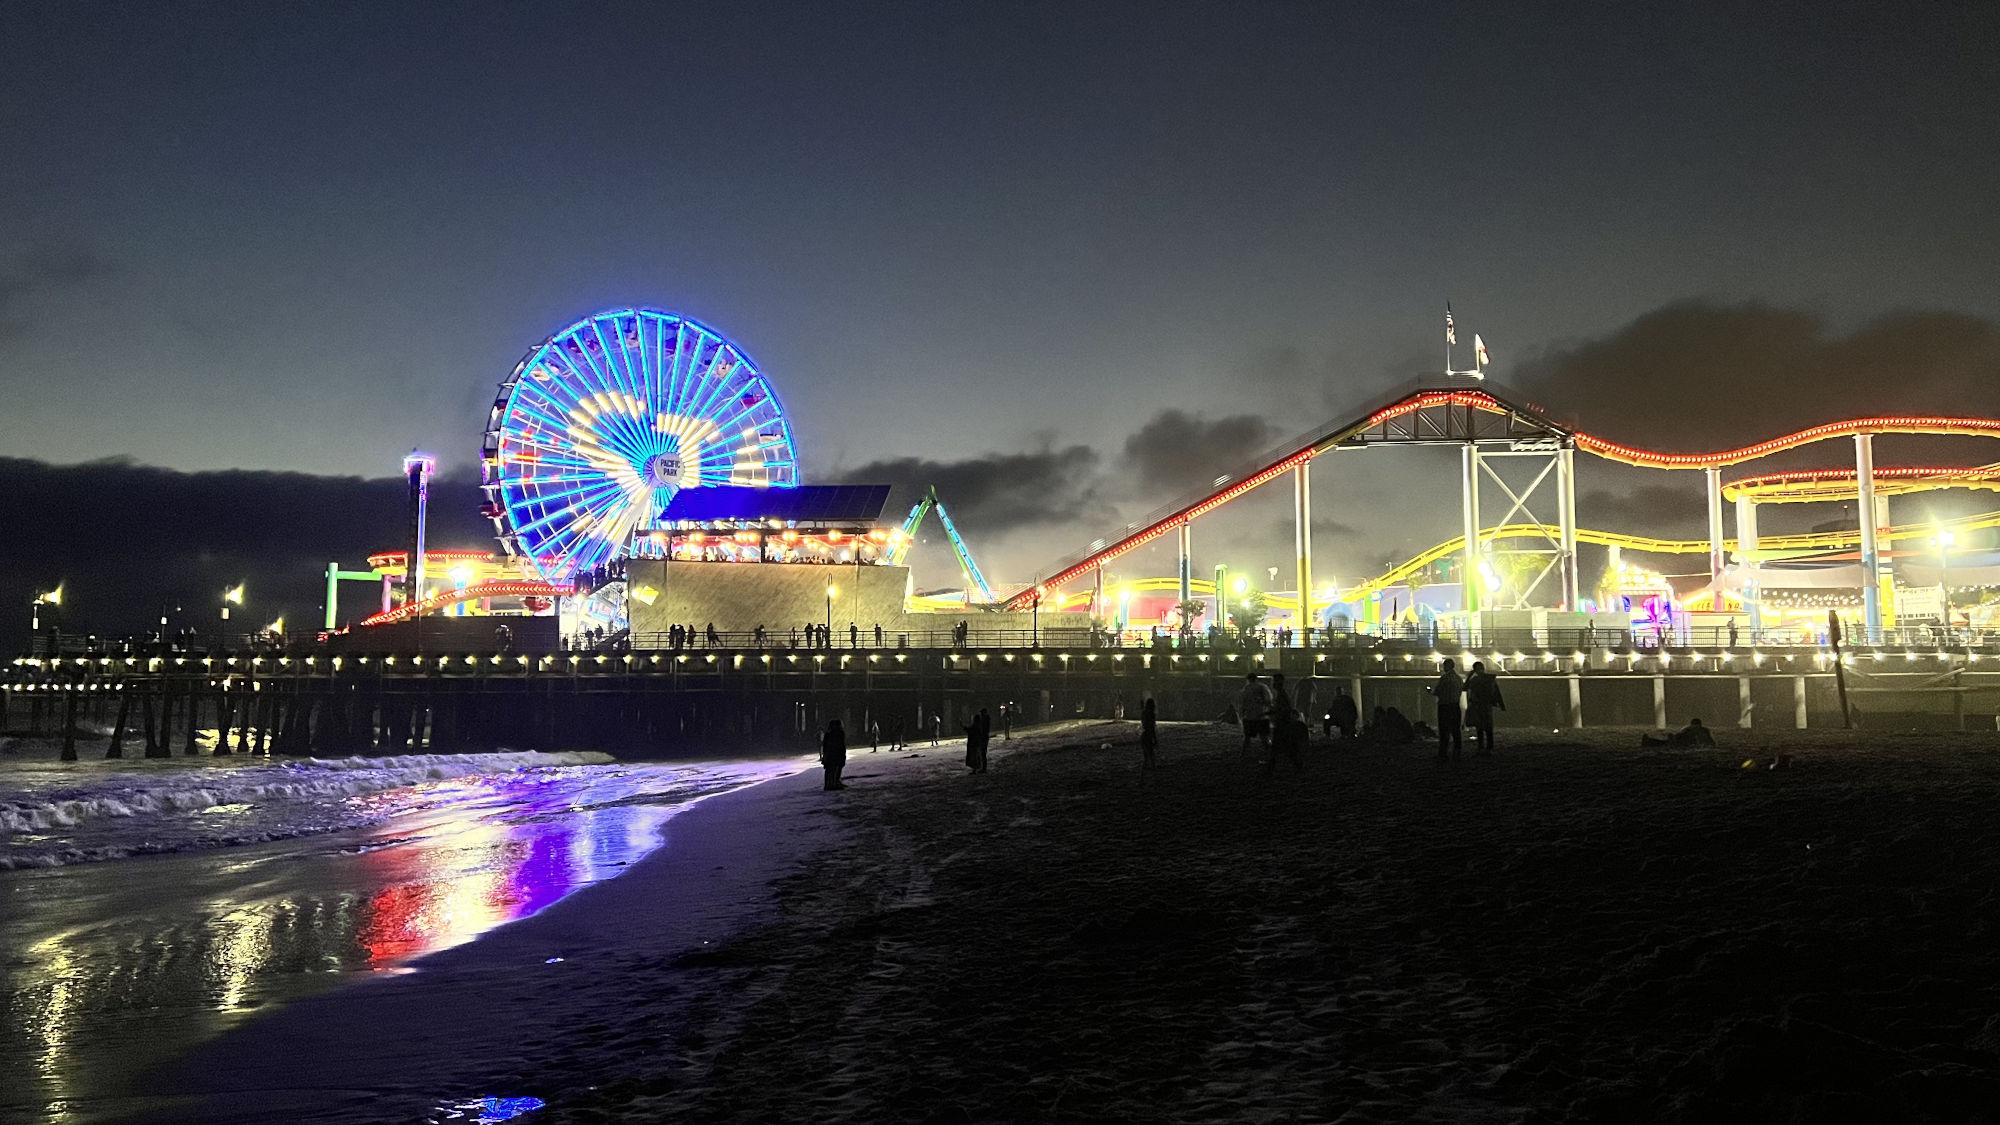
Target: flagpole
column 1447, row 339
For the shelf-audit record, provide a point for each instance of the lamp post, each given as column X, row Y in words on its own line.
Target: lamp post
column 1944, row 542
column 1035, row 620
column 230, row 597
column 53, row 597
column 831, row 590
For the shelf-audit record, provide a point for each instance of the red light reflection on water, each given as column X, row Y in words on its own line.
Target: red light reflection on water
column 444, row 891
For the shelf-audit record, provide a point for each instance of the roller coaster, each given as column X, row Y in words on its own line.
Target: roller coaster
column 1474, row 416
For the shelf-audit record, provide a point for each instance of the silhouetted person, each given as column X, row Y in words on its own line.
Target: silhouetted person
column 1482, row 695
column 1288, row 732
column 1149, row 735
column 833, row 753
column 878, row 634
column 1344, row 713
column 985, row 724
column 853, row 635
column 1395, row 726
column 1451, row 717
column 714, row 639
column 937, row 727
column 1732, row 629
column 1693, row 734
column 1253, row 710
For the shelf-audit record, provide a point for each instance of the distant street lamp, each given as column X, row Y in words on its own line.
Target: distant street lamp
column 53, row 597
column 1035, row 620
column 230, row 597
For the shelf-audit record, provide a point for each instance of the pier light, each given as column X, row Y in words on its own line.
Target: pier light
column 1010, row 658
column 765, row 659
column 1379, row 657
column 390, row 661
column 1910, row 656
column 1437, row 658
column 205, row 661
column 575, row 660
column 1878, row 655
column 681, row 660
column 336, row 663
column 1576, row 656
column 1038, row 658
column 1757, row 658
column 900, row 658
column 496, row 659
column 362, row 659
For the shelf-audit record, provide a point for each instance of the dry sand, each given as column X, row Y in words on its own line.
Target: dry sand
column 1575, row 929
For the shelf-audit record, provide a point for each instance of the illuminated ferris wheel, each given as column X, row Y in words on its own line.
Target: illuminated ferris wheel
column 604, row 421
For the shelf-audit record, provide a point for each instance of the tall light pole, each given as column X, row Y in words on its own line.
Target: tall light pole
column 230, row 597
column 1944, row 542
column 1035, row 620
column 831, row 590
column 53, row 597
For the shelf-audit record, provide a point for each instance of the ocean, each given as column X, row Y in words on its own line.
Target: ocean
column 148, row 905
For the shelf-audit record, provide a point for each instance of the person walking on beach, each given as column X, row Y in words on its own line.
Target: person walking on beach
column 833, row 753
column 937, row 727
column 1253, row 710
column 1451, row 718
column 1149, row 735
column 1482, row 695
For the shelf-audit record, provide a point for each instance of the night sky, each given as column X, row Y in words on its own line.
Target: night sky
column 1059, row 259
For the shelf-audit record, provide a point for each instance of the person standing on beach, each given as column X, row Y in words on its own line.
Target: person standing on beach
column 985, row 724
column 1149, row 735
column 1451, row 717
column 1253, row 709
column 1288, row 731
column 833, row 753
column 1482, row 695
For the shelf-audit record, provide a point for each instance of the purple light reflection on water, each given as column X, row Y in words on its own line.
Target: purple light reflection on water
column 128, row 962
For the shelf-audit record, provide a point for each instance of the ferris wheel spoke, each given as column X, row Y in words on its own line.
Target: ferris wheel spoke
column 604, row 367
column 619, row 361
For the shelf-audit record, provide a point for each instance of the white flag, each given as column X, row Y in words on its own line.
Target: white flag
column 1479, row 350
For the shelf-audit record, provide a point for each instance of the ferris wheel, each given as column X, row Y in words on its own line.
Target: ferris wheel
column 604, row 421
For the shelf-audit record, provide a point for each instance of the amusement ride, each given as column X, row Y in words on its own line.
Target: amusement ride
column 603, row 422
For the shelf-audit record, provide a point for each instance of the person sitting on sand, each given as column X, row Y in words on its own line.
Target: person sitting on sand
column 833, row 753
column 1342, row 713
column 1396, row 728
column 1253, row 709
column 1693, row 734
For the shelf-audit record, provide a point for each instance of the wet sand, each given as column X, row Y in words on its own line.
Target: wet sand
column 1575, row 929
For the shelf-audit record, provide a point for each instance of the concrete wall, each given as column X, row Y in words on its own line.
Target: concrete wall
column 738, row 597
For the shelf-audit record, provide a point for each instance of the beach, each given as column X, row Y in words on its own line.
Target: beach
column 1573, row 929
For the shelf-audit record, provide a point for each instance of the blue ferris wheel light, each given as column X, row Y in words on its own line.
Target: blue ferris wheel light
column 601, row 423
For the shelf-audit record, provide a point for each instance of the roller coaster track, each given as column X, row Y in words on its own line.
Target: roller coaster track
column 1766, row 547
column 1449, row 416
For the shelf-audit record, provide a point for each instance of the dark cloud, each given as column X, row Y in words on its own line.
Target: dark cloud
column 128, row 538
column 1700, row 376
column 994, row 492
column 42, row 271
column 1178, row 452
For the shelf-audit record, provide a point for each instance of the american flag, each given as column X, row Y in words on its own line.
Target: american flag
column 1450, row 332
